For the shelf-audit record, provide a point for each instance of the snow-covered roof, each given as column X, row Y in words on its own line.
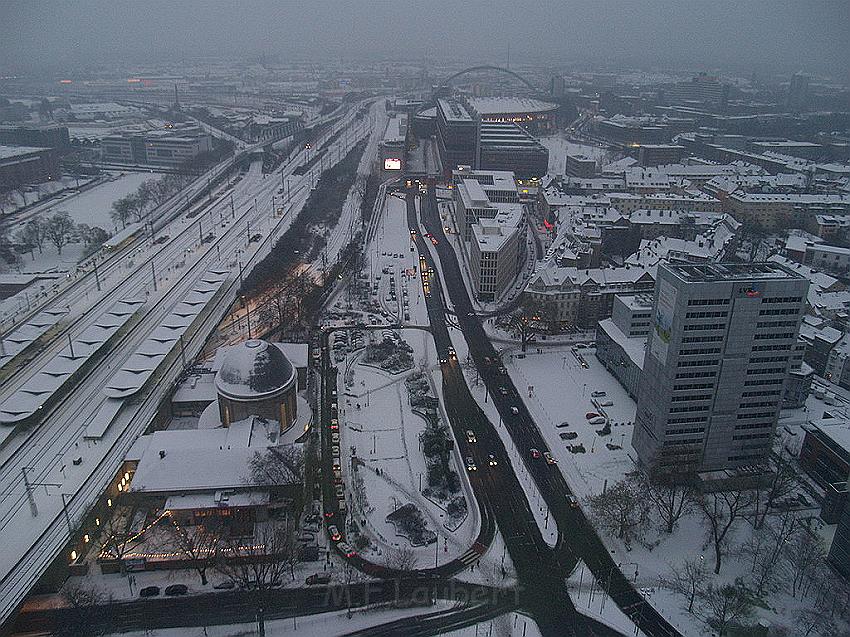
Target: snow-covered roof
column 24, row 335
column 144, row 361
column 37, row 389
column 253, row 370
column 509, row 105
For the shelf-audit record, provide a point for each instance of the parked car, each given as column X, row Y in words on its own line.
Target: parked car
column 568, row 435
column 226, row 585
column 333, row 532
column 549, row 458
column 149, row 591
column 598, row 394
column 176, row 589
column 599, row 420
column 318, row 578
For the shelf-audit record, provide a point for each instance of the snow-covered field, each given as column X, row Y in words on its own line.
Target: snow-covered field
column 93, row 206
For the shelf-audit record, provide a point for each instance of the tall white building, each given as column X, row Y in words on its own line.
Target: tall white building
column 719, row 352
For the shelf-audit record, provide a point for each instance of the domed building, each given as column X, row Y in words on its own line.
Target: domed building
column 256, row 379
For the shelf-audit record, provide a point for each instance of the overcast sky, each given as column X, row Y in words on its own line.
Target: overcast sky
column 808, row 35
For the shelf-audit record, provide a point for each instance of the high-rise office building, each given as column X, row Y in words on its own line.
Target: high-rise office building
column 719, row 351
column 839, row 550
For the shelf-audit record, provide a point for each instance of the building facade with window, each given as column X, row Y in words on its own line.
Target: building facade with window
column 720, row 349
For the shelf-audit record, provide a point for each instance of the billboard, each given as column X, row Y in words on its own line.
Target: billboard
column 392, row 163
column 665, row 307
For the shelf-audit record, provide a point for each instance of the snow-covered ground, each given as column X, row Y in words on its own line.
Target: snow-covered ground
column 558, row 390
column 93, row 206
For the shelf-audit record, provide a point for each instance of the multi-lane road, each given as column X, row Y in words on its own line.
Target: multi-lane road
column 577, row 538
column 67, row 472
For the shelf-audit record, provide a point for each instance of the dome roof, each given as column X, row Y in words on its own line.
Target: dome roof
column 252, row 370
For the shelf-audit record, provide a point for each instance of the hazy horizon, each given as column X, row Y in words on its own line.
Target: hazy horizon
column 744, row 35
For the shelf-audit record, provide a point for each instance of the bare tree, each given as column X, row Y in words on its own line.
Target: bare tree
column 803, row 554
column 278, row 465
column 670, row 499
column 689, row 580
column 89, row 612
column 22, row 191
column 722, row 510
column 118, row 540
column 33, row 233
column 765, row 547
column 726, row 605
column 197, row 544
column 621, row 511
column 781, row 484
column 258, row 564
column 59, row 229
column 121, row 211
column 816, row 619
column 401, row 559
column 5, row 201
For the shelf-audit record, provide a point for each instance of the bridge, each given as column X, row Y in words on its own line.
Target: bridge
column 488, row 67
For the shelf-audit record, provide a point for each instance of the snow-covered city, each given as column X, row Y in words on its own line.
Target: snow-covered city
column 424, row 319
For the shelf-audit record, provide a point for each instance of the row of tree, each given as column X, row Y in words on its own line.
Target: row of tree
column 136, row 206
column 625, row 508
column 60, row 230
column 782, row 550
column 785, row 554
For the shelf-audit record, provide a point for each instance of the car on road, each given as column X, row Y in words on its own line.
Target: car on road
column 492, row 460
column 534, row 453
column 470, row 436
column 549, row 458
column 572, row 501
column 340, row 491
column 333, row 532
column 335, row 437
column 514, row 410
column 176, row 589
column 503, row 391
column 149, row 591
column 346, row 549
column 470, row 464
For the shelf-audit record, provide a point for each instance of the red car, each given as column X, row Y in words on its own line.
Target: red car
column 534, row 453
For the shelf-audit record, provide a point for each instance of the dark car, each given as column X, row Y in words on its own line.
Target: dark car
column 226, row 585
column 176, row 589
column 149, row 591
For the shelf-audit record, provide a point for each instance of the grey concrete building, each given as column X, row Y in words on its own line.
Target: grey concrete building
column 720, row 349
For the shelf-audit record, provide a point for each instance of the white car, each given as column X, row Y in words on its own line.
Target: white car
column 514, row 411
